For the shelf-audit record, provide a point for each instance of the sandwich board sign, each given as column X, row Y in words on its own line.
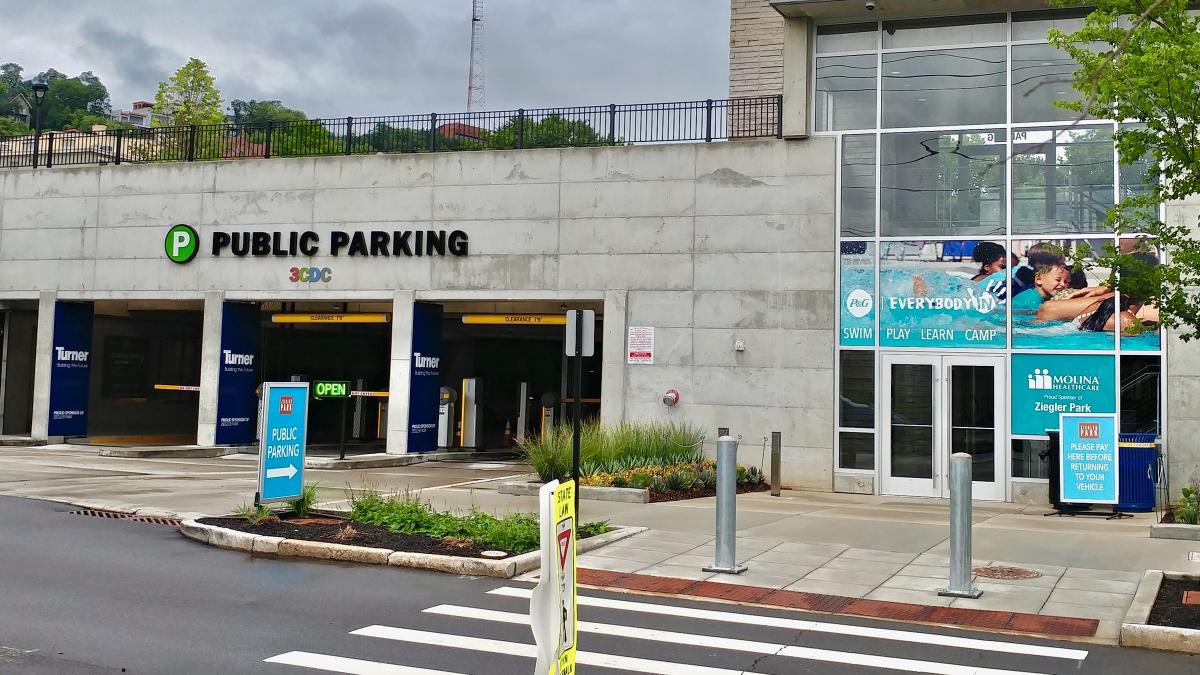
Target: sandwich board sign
column 1088, row 459
column 282, row 440
column 553, row 610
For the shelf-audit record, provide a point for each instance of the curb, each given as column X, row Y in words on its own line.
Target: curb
column 507, row 568
column 197, row 452
column 120, row 507
column 956, row 617
column 590, row 492
column 1175, row 531
column 1137, row 632
column 378, row 460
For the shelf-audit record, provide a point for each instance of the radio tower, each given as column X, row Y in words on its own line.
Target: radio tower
column 475, row 77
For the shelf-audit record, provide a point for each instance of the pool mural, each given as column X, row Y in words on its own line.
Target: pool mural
column 956, row 295
column 857, row 327
column 947, row 294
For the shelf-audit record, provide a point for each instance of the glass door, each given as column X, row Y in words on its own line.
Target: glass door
column 937, row 405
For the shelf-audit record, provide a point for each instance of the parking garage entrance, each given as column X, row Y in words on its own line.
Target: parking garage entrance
column 18, row 336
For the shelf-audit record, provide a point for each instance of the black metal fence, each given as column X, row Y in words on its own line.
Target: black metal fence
column 624, row 124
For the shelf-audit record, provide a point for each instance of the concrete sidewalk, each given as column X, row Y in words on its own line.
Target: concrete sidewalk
column 874, row 547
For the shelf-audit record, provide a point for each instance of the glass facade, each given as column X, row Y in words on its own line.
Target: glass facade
column 969, row 204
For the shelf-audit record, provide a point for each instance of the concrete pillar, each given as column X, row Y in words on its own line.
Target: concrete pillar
column 43, row 364
column 401, row 371
column 612, row 367
column 210, row 368
column 797, row 66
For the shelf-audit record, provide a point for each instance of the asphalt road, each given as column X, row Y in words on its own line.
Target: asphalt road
column 81, row 594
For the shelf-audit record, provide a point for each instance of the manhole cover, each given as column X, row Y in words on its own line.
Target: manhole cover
column 1002, row 572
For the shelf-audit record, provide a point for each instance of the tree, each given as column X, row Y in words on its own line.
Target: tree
column 553, row 131
column 1147, row 71
column 189, row 96
column 11, row 127
column 69, row 98
column 260, row 112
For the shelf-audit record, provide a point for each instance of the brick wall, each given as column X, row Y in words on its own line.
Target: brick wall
column 755, row 49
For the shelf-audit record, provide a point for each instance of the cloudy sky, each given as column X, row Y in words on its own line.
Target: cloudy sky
column 377, row 57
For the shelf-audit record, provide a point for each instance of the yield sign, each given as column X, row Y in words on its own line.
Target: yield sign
column 564, row 545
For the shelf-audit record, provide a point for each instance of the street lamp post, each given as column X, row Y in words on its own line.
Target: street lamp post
column 39, row 93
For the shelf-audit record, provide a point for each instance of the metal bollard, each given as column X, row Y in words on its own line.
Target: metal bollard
column 960, row 529
column 725, row 557
column 776, row 462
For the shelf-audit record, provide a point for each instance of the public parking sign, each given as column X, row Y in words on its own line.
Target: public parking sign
column 553, row 608
column 1088, row 459
column 282, row 440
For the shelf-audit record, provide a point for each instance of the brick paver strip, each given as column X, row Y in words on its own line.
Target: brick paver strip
column 836, row 604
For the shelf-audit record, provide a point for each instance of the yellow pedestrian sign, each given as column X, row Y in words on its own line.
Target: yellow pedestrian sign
column 553, row 611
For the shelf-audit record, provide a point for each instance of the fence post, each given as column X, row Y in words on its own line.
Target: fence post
column 776, row 462
column 612, row 123
column 960, row 529
column 349, row 134
column 778, row 115
column 120, row 137
column 191, row 146
column 37, row 137
column 708, row 120
column 433, row 132
column 725, row 556
column 520, row 128
column 267, row 142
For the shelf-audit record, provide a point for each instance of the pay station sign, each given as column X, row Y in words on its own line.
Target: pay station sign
column 1088, row 459
column 281, row 440
column 553, row 610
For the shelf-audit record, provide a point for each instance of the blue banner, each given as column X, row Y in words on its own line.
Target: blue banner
column 1088, row 459
column 1045, row 386
column 237, row 403
column 70, row 373
column 283, row 442
column 857, row 325
column 425, row 381
column 946, row 294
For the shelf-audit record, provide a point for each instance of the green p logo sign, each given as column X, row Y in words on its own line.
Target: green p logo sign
column 181, row 243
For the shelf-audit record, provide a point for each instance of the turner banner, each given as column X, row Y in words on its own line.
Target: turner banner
column 425, row 382
column 70, row 374
column 237, row 404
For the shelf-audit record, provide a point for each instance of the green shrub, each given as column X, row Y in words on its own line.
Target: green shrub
column 254, row 515
column 707, row 478
column 593, row 528
column 612, row 449
column 307, row 499
column 1188, row 509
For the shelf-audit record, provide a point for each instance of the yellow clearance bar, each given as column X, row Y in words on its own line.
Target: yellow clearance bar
column 329, row 318
column 176, row 387
column 515, row 319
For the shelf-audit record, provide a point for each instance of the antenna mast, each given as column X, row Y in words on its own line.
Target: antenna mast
column 475, row 77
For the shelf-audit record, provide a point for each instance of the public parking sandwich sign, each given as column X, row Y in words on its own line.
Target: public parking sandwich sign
column 181, row 243
column 282, row 440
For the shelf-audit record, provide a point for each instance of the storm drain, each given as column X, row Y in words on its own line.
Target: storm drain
column 117, row 515
column 1002, row 572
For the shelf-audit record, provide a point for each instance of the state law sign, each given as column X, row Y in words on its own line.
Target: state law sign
column 282, row 440
column 553, row 611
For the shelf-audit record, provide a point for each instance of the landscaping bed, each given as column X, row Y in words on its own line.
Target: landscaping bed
column 1169, row 610
column 677, row 495
column 327, row 530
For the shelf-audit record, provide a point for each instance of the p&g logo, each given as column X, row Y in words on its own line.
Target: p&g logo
column 859, row 303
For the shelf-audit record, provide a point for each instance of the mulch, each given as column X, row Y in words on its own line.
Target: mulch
column 677, row 495
column 1169, row 610
column 325, row 530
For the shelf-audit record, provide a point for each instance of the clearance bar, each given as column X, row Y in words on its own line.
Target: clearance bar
column 329, row 318
column 368, row 394
column 177, row 387
column 515, row 319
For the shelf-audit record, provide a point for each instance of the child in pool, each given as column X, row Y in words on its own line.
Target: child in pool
column 1134, row 316
column 991, row 257
column 1048, row 280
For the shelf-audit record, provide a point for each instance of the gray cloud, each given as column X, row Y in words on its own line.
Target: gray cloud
column 377, row 57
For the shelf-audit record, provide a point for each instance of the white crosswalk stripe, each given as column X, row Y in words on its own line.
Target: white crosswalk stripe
column 470, row 638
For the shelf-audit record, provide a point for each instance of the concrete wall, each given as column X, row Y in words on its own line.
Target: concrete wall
column 707, row 243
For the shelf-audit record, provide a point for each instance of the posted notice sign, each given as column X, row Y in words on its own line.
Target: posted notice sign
column 1088, row 459
column 282, row 440
column 641, row 345
column 553, row 611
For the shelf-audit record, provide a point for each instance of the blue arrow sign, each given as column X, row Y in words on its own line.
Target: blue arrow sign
column 282, row 440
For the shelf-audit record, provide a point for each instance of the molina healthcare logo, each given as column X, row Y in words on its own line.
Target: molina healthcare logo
column 181, row 243
column 1043, row 380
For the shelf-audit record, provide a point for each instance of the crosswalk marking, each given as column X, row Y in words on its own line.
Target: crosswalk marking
column 816, row 626
column 733, row 644
column 530, row 651
column 341, row 664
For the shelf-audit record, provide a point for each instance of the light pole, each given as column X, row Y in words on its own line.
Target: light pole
column 39, row 93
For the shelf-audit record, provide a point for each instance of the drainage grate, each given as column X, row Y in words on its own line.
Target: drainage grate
column 117, row 515
column 1002, row 572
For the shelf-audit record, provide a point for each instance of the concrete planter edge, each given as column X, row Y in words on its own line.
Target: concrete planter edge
column 1136, row 632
